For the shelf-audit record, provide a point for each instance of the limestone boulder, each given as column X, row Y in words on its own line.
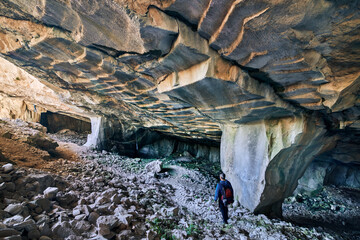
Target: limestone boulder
column 50, row 192
column 7, row 168
column 154, row 167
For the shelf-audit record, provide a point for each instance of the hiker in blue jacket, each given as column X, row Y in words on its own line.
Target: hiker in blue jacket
column 219, row 192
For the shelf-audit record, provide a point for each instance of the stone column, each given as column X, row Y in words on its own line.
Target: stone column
column 96, row 138
column 244, row 158
column 264, row 160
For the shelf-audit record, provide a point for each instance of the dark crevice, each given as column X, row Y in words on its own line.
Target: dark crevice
column 147, row 56
column 55, row 26
column 261, row 77
column 110, row 51
column 176, row 15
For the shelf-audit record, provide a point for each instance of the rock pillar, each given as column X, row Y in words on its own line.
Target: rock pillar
column 244, row 159
column 264, row 160
column 96, row 138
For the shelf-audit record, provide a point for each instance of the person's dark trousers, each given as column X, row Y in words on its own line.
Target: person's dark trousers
column 224, row 211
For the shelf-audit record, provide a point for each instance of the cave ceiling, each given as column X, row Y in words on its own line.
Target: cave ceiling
column 184, row 67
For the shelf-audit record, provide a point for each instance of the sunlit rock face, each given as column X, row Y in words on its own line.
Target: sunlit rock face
column 265, row 160
column 266, row 79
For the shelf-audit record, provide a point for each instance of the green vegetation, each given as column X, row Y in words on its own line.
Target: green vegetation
column 192, row 229
column 163, row 227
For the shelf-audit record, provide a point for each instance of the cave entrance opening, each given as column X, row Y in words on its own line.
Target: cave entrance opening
column 55, row 122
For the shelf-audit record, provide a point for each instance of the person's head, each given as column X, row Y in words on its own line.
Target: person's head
column 222, row 176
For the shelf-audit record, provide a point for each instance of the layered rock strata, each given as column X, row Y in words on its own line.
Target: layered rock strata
column 203, row 71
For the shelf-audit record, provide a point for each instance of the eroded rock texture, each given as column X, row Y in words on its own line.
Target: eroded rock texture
column 271, row 80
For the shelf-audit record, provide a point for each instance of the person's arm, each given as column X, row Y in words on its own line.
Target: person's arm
column 217, row 192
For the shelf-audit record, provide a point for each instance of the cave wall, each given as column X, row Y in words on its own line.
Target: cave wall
column 168, row 146
column 55, row 122
column 323, row 173
column 17, row 108
column 338, row 167
column 107, row 134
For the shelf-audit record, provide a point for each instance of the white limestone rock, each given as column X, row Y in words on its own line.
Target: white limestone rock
column 7, row 168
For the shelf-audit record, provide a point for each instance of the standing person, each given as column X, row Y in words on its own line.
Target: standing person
column 224, row 192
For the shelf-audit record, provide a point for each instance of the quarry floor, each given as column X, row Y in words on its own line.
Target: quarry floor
column 182, row 207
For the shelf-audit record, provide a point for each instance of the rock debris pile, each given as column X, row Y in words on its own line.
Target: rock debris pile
column 107, row 196
column 336, row 208
column 93, row 202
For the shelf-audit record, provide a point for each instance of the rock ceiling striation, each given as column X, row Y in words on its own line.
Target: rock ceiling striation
column 190, row 65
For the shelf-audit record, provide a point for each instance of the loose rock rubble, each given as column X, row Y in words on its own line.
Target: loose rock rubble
column 335, row 208
column 107, row 196
column 98, row 202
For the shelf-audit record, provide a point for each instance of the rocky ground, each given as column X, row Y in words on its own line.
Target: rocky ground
column 71, row 192
column 334, row 208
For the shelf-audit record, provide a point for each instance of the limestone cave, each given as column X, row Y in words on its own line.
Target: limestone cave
column 117, row 117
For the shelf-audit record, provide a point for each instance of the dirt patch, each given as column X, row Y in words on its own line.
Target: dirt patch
column 25, row 155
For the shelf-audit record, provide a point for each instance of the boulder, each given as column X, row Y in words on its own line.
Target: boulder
column 154, row 167
column 151, row 235
column 3, row 158
column 174, row 211
column 14, row 209
column 178, row 234
column 7, row 168
column 15, row 237
column 40, row 140
column 28, row 225
column 82, row 226
column 44, row 229
column 45, row 238
column 62, row 229
column 40, row 181
column 13, row 220
column 93, row 216
column 34, row 234
column 104, row 231
column 123, row 235
column 66, row 200
column 7, row 232
column 4, row 214
column 50, row 192
column 109, row 221
column 43, row 203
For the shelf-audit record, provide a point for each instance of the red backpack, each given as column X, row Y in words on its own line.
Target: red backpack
column 227, row 196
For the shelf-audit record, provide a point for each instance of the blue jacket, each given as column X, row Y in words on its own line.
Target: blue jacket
column 221, row 184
